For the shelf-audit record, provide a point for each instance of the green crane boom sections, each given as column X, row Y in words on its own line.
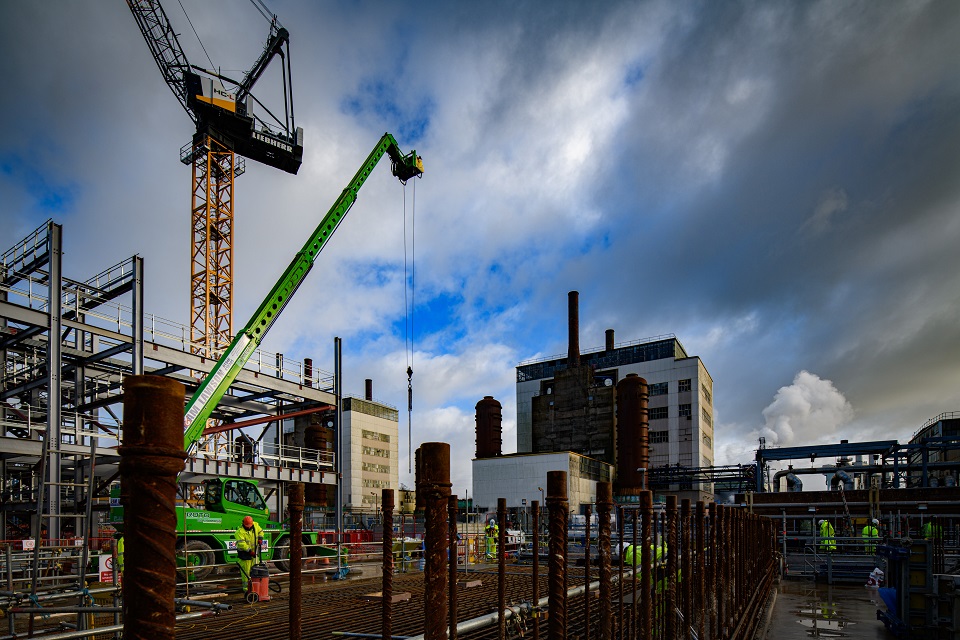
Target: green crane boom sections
column 215, row 385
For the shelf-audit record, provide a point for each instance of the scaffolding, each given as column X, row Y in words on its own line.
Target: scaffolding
column 67, row 345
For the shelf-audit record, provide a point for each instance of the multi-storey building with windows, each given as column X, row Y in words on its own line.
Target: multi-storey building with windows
column 371, row 452
column 568, row 403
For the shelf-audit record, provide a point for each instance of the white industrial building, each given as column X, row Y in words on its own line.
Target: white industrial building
column 522, row 478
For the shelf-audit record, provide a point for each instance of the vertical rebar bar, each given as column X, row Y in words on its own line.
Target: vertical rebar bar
column 558, row 507
column 435, row 490
column 632, row 628
column 454, row 561
column 151, row 456
column 701, row 597
column 621, row 538
column 536, row 566
column 586, row 573
column 686, row 568
column 670, row 612
column 386, row 589
column 8, row 551
column 604, row 505
column 295, row 503
column 713, row 577
column 646, row 564
column 501, row 568
column 723, row 569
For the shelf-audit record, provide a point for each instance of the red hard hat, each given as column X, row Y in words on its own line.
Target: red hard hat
column 247, row 521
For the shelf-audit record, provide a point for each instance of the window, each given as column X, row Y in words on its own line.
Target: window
column 658, row 389
column 659, row 436
column 376, row 468
column 706, row 393
column 243, row 493
column 707, row 441
column 706, row 416
column 381, row 484
column 371, row 451
column 658, row 413
column 683, row 385
column 373, row 435
column 685, row 411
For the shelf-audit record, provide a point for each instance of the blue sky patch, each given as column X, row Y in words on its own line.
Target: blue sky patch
column 50, row 200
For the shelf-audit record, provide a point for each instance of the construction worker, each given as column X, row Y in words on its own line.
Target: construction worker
column 828, row 543
column 249, row 536
column 870, row 534
column 932, row 530
column 119, row 547
column 492, row 534
column 658, row 554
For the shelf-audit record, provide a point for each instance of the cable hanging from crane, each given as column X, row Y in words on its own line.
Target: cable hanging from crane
column 408, row 309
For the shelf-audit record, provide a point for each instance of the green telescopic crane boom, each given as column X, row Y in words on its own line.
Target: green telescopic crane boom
column 215, row 385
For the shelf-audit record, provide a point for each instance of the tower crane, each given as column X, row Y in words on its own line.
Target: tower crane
column 230, row 122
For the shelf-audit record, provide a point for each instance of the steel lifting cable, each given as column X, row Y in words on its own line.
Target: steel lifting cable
column 408, row 309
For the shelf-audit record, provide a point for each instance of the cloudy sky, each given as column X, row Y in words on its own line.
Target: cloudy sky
column 775, row 183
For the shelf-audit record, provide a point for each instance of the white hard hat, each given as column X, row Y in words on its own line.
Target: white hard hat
column 821, row 522
column 492, row 521
column 624, row 545
column 875, row 521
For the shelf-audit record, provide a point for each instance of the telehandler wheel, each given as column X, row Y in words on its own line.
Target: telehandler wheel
column 195, row 558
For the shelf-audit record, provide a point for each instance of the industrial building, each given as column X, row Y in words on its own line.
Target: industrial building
column 569, row 403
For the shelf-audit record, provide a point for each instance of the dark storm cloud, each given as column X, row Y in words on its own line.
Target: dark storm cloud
column 822, row 201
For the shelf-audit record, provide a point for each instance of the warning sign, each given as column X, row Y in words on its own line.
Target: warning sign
column 106, row 568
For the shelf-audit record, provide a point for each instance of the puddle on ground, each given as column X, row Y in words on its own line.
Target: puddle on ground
column 831, row 611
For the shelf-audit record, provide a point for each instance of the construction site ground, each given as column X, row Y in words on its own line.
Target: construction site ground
column 804, row 609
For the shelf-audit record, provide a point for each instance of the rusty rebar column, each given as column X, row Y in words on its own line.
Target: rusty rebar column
column 296, row 502
column 586, row 574
column 713, row 577
column 701, row 598
column 646, row 564
column 632, row 628
column 452, row 510
column 558, row 507
column 386, row 591
column 501, row 568
column 604, row 506
column 686, row 566
column 435, row 490
column 671, row 592
column 535, row 506
column 621, row 538
column 151, row 456
column 723, row 580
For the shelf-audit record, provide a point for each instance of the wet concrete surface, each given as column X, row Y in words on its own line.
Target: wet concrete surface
column 806, row 609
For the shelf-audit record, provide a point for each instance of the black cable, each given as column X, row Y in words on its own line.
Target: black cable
column 190, row 22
